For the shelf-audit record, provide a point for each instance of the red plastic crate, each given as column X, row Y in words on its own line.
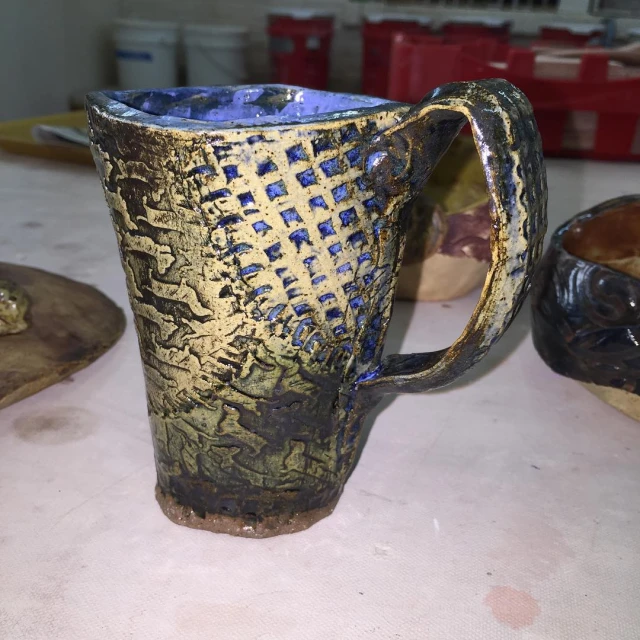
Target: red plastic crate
column 610, row 108
column 300, row 45
column 377, row 38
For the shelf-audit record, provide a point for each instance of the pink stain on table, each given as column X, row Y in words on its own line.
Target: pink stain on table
column 516, row 609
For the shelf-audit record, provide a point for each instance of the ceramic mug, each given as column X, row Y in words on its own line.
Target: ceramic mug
column 261, row 234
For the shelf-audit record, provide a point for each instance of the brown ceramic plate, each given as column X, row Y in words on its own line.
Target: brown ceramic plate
column 70, row 324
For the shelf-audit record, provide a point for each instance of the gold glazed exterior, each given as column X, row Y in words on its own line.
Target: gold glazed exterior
column 261, row 265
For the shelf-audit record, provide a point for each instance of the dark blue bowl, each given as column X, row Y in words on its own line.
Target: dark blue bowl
column 586, row 302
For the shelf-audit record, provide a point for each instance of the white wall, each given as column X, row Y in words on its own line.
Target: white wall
column 88, row 40
column 51, row 49
column 32, row 51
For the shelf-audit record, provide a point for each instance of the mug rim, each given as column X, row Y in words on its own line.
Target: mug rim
column 111, row 104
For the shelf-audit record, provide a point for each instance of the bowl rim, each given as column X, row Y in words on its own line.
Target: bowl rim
column 603, row 208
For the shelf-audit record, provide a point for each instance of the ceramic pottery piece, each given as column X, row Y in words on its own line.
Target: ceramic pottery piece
column 57, row 327
column 586, row 302
column 448, row 246
column 261, row 231
column 14, row 304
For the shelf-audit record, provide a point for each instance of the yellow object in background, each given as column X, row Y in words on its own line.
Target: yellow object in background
column 17, row 136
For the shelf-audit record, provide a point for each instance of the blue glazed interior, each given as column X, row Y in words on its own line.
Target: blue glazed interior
column 251, row 104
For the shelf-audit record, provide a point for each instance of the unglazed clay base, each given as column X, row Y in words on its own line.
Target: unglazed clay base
column 268, row 527
column 440, row 278
column 627, row 403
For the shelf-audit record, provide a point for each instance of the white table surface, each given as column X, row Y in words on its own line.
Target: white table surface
column 504, row 507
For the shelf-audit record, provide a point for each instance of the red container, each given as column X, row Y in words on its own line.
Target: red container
column 377, row 37
column 465, row 30
column 567, row 35
column 300, row 47
column 586, row 117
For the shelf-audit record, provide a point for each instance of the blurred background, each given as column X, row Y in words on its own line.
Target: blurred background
column 54, row 51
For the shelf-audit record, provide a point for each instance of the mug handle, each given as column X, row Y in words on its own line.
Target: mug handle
column 399, row 163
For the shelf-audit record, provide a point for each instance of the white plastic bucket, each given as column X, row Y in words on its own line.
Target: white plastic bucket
column 146, row 54
column 215, row 54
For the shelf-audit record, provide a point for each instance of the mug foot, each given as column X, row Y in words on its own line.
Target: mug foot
column 267, row 527
column 627, row 403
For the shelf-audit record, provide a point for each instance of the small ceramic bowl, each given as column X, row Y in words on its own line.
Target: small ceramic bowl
column 448, row 249
column 586, row 302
